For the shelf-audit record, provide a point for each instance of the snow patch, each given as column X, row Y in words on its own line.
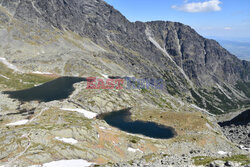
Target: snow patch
column 86, row 113
column 22, row 122
column 4, row 76
column 101, row 127
column 64, row 163
column 37, row 85
column 104, row 128
column 244, row 148
column 134, row 150
column 11, row 66
column 67, row 140
column 105, row 76
column 42, row 73
column 222, row 152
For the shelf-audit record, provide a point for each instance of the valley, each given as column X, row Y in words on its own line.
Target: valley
column 48, row 116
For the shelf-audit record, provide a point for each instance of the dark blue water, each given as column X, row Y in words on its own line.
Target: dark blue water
column 57, row 89
column 121, row 120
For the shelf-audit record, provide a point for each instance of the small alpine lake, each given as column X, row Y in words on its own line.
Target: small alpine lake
column 121, row 120
column 58, row 89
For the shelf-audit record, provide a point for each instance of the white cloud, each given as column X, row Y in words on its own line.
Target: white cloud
column 227, row 28
column 195, row 7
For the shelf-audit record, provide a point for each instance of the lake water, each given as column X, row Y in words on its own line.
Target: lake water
column 57, row 89
column 121, row 120
column 62, row 88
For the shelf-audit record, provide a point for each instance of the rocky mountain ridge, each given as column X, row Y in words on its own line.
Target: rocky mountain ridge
column 186, row 61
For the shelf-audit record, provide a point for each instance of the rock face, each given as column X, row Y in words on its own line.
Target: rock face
column 238, row 129
column 208, row 74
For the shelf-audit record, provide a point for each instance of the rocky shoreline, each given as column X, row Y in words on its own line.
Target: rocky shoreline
column 236, row 127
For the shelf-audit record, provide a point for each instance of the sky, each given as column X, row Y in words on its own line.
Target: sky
column 221, row 19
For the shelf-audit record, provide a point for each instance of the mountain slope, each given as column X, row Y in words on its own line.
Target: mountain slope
column 71, row 32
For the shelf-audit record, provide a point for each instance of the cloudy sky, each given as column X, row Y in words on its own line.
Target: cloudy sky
column 228, row 19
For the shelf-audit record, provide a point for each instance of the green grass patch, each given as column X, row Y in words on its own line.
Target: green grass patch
column 244, row 87
column 134, row 139
column 19, row 81
column 144, row 90
column 203, row 160
column 157, row 102
column 168, row 104
column 198, row 99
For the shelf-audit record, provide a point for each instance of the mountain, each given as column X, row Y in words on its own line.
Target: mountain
column 44, row 39
column 189, row 63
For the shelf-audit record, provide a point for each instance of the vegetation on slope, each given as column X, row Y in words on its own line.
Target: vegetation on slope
column 18, row 81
